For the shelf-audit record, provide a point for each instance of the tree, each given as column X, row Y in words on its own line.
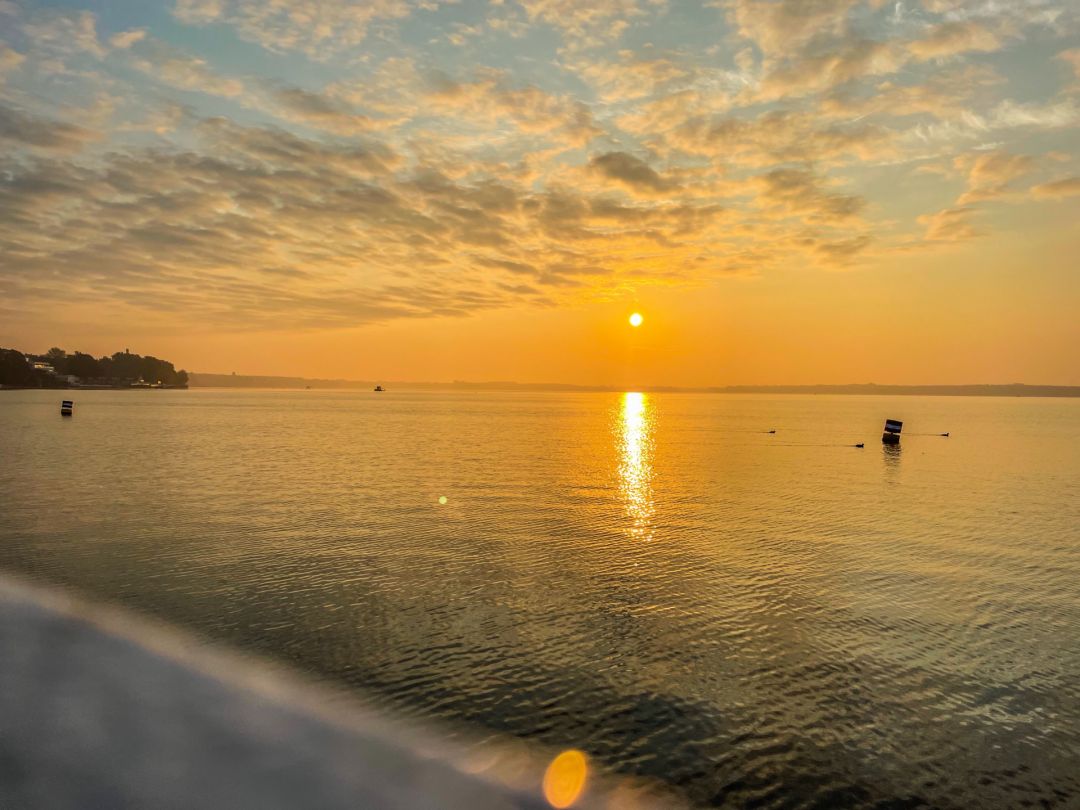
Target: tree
column 14, row 370
column 83, row 366
column 57, row 358
column 125, row 366
column 153, row 370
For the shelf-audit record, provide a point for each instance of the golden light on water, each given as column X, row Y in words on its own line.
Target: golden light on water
column 635, row 464
column 442, row 500
column 636, row 319
column 564, row 779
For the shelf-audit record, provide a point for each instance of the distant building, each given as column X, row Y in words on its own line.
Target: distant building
column 46, row 367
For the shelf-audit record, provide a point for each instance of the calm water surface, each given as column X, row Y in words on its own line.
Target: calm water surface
column 769, row 620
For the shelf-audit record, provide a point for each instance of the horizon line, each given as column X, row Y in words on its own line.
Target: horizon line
column 253, row 380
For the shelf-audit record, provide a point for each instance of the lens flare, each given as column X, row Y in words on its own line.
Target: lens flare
column 564, row 779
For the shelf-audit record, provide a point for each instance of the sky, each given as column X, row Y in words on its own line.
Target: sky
column 789, row 191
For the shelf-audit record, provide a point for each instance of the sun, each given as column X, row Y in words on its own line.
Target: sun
column 636, row 319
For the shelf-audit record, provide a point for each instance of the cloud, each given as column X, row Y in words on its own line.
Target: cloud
column 491, row 97
column 837, row 65
column 21, row 129
column 990, row 173
column 387, row 183
column 256, row 227
column 222, row 239
column 949, row 225
column 318, row 109
column 183, row 71
column 780, row 136
column 784, row 26
column 800, row 191
column 65, row 33
column 125, row 39
column 632, row 78
column 1057, row 189
column 633, row 173
column 160, row 119
column 590, row 23
column 1040, row 116
column 810, row 46
column 968, row 125
column 277, row 148
column 955, row 37
column 844, row 251
column 9, row 58
column 1071, row 58
column 942, row 95
column 1045, row 13
column 198, row 12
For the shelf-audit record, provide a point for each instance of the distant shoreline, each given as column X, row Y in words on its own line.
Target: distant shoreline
column 94, row 388
column 202, row 380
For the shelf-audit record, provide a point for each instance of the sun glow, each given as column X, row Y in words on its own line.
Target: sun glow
column 635, row 426
column 636, row 319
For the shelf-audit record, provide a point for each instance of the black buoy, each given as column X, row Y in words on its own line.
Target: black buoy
column 65, row 407
column 892, row 432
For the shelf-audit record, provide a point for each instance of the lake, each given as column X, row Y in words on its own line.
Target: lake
column 768, row 619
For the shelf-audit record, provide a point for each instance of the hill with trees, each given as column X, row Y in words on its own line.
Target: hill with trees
column 58, row 369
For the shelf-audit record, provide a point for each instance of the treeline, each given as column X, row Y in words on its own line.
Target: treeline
column 55, row 368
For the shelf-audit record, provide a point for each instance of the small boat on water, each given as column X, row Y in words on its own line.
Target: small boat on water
column 379, row 388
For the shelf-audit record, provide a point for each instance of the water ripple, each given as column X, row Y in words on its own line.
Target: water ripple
column 759, row 620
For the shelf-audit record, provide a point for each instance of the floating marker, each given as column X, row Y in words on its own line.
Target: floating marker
column 892, row 432
column 65, row 407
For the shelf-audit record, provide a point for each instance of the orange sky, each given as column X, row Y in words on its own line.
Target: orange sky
column 789, row 192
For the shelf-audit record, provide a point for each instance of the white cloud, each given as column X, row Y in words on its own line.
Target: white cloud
column 1038, row 116
column 125, row 39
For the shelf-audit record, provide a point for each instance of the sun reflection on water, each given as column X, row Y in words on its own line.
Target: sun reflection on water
column 635, row 464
